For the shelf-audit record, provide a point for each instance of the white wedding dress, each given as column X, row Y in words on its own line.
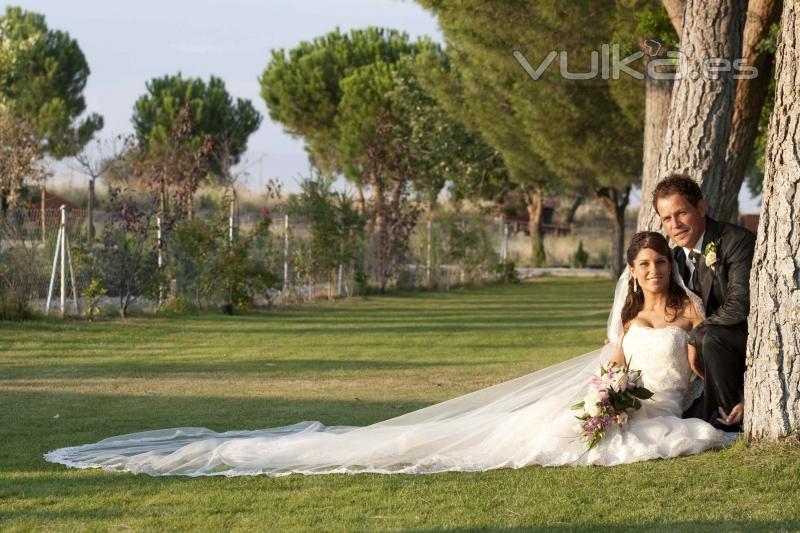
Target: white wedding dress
column 525, row 421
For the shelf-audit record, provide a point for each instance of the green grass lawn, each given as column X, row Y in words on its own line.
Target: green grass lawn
column 344, row 363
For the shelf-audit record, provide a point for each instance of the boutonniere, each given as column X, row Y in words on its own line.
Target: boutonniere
column 710, row 254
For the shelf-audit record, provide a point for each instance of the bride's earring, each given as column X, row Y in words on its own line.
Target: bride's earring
column 635, row 286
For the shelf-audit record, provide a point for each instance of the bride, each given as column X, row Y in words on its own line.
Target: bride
column 521, row 422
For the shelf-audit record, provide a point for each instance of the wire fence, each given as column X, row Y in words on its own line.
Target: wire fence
column 214, row 261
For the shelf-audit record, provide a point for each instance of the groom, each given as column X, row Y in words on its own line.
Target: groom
column 714, row 260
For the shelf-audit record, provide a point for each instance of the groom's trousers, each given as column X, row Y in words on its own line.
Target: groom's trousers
column 722, row 355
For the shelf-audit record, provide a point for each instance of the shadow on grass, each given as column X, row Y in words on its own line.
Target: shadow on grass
column 192, row 366
column 692, row 525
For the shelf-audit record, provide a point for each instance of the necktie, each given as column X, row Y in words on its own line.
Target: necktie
column 694, row 257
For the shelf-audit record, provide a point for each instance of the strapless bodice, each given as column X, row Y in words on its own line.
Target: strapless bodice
column 661, row 354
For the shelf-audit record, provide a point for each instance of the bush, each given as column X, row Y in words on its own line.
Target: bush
column 581, row 258
column 127, row 256
column 92, row 294
column 506, row 272
column 466, row 242
column 179, row 305
column 210, row 270
column 13, row 306
column 336, row 235
column 360, row 283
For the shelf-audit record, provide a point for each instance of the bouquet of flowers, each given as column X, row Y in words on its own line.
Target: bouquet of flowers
column 611, row 395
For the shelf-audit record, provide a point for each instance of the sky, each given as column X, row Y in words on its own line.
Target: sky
column 128, row 43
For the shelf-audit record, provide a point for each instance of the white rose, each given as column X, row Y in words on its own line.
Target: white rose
column 711, row 259
column 592, row 397
column 594, row 410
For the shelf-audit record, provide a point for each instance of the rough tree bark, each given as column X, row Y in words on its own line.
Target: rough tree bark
column 750, row 97
column 658, row 94
column 701, row 108
column 772, row 379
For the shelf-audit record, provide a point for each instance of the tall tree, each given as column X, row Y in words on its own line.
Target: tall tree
column 772, row 390
column 172, row 168
column 559, row 130
column 657, row 33
column 213, row 114
column 485, row 87
column 43, row 74
column 302, row 87
column 355, row 100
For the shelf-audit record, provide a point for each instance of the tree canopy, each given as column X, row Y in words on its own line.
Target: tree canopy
column 553, row 133
column 43, row 73
column 212, row 111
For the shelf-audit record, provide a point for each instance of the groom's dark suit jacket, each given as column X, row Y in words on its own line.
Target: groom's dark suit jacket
column 725, row 289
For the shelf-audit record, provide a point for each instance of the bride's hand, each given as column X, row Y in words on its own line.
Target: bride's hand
column 694, row 362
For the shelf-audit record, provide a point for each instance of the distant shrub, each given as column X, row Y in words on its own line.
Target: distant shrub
column 92, row 294
column 581, row 258
column 211, row 270
column 506, row 272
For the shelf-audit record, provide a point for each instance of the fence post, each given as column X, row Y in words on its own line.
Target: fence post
column 43, row 213
column 428, row 261
column 63, row 252
column 285, row 258
column 339, row 281
column 231, row 216
column 160, row 241
column 504, row 249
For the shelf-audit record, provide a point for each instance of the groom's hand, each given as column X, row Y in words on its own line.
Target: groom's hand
column 695, row 363
column 732, row 418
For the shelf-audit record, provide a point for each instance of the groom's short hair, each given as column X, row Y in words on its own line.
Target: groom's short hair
column 678, row 184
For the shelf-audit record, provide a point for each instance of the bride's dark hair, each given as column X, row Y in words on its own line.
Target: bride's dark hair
column 634, row 302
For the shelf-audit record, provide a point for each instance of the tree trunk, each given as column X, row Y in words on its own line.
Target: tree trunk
column 162, row 201
column 573, row 209
column 378, row 204
column 614, row 203
column 190, row 206
column 750, row 97
column 701, row 108
column 90, row 212
column 772, row 380
column 361, row 202
column 658, row 94
column 534, row 199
